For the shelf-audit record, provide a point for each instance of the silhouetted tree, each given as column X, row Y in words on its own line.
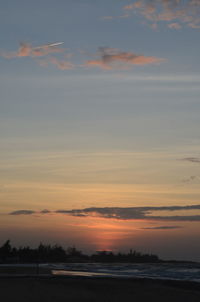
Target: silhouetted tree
column 5, row 250
column 47, row 253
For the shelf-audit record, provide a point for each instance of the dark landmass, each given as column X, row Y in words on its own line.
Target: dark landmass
column 48, row 253
column 96, row 290
column 57, row 254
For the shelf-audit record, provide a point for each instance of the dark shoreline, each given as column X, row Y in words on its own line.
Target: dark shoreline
column 67, row 288
column 185, row 284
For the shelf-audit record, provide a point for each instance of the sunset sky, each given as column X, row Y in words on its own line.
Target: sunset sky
column 100, row 133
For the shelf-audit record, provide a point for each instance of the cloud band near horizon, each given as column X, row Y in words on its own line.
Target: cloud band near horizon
column 119, row 213
column 105, row 58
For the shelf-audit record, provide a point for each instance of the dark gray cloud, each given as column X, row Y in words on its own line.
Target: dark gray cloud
column 191, row 179
column 45, row 211
column 164, row 227
column 134, row 213
column 118, row 213
column 29, row 212
column 130, row 213
column 192, row 159
column 176, row 218
column 23, row 212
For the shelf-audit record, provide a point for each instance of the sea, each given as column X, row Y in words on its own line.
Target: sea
column 166, row 271
column 172, row 271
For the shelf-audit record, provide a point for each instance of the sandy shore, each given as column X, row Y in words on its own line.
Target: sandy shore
column 90, row 289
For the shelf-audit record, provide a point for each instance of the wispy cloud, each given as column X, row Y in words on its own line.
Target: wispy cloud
column 134, row 213
column 174, row 25
column 130, row 213
column 191, row 179
column 45, row 211
column 164, row 227
column 27, row 50
column 192, row 159
column 45, row 55
column 110, row 58
column 23, row 212
column 179, row 11
column 116, row 17
column 59, row 63
column 105, row 58
column 30, row 212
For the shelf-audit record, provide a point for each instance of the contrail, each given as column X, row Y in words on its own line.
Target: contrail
column 44, row 52
column 49, row 45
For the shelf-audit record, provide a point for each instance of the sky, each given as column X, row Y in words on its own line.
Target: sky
column 99, row 125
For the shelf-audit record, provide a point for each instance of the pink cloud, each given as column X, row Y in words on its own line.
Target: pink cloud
column 60, row 64
column 174, row 25
column 114, row 59
column 181, row 11
column 26, row 50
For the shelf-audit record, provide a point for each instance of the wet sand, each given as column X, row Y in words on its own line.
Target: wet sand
column 42, row 289
column 23, row 270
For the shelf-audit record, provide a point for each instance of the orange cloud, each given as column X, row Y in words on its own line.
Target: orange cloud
column 105, row 58
column 60, row 64
column 182, row 11
column 174, row 25
column 26, row 50
column 112, row 58
column 136, row 4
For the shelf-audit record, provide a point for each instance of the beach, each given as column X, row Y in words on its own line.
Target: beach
column 82, row 289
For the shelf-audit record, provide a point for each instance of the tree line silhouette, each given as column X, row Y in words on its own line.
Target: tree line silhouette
column 56, row 253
